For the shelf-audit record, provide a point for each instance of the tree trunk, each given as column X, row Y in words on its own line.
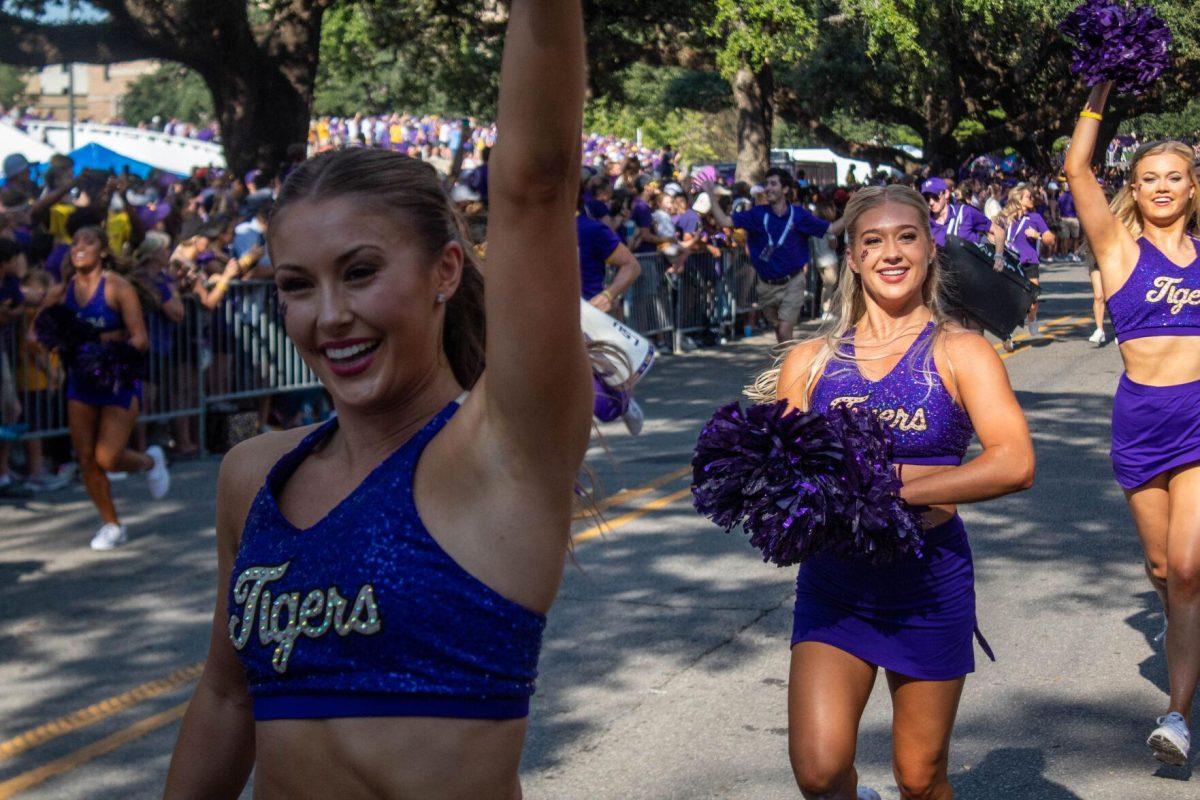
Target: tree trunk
column 261, row 114
column 752, row 94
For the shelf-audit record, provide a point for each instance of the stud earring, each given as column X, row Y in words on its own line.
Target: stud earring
column 441, row 298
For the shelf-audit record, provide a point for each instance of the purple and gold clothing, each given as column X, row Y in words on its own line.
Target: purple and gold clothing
column 928, row 427
column 105, row 319
column 916, row 615
column 1155, row 428
column 1160, row 297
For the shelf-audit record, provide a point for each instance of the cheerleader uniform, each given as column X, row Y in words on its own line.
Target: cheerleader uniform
column 1155, row 428
column 105, row 319
column 914, row 616
column 365, row 615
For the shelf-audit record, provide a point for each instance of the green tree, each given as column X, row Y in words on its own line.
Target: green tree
column 965, row 77
column 12, row 85
column 171, row 91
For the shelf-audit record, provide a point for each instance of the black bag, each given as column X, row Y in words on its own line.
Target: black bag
column 998, row 301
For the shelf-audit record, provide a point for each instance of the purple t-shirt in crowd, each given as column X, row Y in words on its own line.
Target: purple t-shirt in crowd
column 962, row 220
column 596, row 209
column 643, row 217
column 597, row 243
column 763, row 227
column 1018, row 241
column 1066, row 205
column 688, row 223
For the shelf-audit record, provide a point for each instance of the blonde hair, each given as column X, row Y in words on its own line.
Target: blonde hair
column 1013, row 209
column 849, row 302
column 1124, row 206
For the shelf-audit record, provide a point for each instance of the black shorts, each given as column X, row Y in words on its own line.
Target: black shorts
column 1032, row 271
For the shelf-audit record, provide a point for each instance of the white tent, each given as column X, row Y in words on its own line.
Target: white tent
column 16, row 141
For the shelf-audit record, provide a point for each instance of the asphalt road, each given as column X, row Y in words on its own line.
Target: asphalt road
column 665, row 661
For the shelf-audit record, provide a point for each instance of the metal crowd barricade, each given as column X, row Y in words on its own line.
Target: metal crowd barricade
column 236, row 351
column 648, row 305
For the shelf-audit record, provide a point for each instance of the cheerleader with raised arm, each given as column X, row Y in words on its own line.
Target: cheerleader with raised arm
column 384, row 577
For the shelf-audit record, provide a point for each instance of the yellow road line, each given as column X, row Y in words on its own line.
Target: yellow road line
column 1020, row 337
column 1051, row 335
column 626, row 495
column 77, row 758
column 94, row 713
column 107, row 708
column 625, row 519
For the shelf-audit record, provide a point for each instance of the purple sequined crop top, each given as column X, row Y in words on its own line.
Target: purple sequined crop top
column 365, row 615
column 928, row 427
column 1160, row 298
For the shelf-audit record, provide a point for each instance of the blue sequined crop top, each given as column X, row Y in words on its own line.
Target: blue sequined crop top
column 928, row 427
column 365, row 615
column 96, row 311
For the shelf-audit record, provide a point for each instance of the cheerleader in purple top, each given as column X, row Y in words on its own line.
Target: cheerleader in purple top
column 101, row 419
column 1150, row 269
column 892, row 350
column 385, row 576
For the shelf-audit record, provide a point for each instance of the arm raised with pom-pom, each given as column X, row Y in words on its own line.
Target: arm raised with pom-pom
column 1114, row 247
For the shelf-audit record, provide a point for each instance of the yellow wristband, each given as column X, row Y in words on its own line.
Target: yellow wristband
column 1085, row 114
column 608, row 294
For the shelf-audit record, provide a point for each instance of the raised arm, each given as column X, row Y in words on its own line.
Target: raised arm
column 1113, row 246
column 723, row 219
column 538, row 385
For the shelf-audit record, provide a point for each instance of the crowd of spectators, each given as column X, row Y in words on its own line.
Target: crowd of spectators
column 185, row 242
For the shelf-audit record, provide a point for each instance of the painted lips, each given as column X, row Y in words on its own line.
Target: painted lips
column 350, row 358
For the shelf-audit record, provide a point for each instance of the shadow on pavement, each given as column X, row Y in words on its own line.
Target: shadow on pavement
column 1014, row 773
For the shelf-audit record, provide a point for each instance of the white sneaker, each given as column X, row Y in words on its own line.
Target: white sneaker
column 865, row 793
column 109, row 536
column 158, row 477
column 1171, row 740
column 633, row 417
column 113, row 477
column 1098, row 336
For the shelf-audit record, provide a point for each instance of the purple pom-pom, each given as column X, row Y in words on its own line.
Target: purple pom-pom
column 58, row 328
column 875, row 522
column 110, row 366
column 1119, row 43
column 801, row 483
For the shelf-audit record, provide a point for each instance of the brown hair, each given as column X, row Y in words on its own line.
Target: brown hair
column 410, row 189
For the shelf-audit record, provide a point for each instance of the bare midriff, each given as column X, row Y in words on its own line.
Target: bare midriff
column 1162, row 360
column 397, row 758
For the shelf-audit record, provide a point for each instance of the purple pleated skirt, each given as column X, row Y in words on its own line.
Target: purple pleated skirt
column 915, row 616
column 1154, row 429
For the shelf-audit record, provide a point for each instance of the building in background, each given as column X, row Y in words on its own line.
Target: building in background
column 98, row 89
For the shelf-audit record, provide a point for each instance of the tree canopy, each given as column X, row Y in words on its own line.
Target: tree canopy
column 957, row 77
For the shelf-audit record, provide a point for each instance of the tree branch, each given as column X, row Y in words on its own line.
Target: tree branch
column 29, row 44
